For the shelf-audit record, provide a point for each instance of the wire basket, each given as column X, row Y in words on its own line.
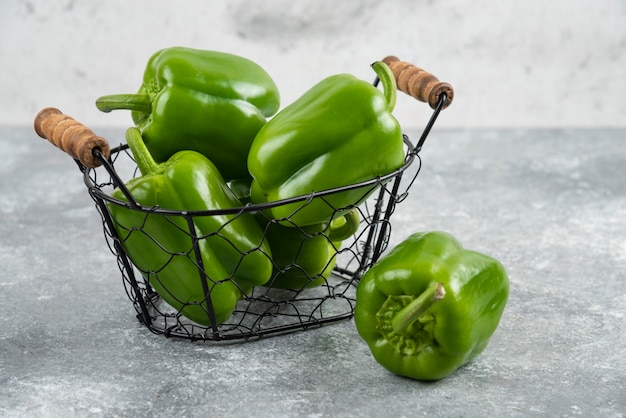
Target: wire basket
column 323, row 294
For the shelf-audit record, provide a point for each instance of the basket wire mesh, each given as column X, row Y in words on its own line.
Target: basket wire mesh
column 262, row 310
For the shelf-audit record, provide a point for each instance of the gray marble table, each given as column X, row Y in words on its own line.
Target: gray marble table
column 550, row 204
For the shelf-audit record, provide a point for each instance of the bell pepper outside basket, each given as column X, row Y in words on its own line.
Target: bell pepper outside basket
column 265, row 310
column 429, row 305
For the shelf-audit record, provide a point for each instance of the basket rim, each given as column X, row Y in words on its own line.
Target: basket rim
column 97, row 192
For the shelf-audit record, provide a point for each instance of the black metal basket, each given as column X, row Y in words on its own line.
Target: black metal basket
column 262, row 310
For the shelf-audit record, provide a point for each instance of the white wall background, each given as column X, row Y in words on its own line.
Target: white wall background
column 531, row 63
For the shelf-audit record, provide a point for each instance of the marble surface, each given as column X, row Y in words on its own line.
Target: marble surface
column 523, row 64
column 550, row 204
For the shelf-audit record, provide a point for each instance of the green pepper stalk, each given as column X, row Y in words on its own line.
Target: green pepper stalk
column 234, row 254
column 207, row 101
column 430, row 306
column 338, row 133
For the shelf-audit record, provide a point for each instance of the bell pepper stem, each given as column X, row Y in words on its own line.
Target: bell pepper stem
column 339, row 231
column 388, row 80
column 410, row 313
column 138, row 102
column 142, row 156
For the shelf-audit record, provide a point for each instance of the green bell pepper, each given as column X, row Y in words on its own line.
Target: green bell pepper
column 206, row 101
column 304, row 257
column 338, row 133
column 232, row 248
column 429, row 306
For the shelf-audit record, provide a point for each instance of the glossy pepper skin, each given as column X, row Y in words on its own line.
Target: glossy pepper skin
column 304, row 257
column 339, row 132
column 430, row 306
column 207, row 101
column 233, row 251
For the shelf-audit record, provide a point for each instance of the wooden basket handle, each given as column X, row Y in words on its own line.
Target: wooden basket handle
column 418, row 83
column 71, row 136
